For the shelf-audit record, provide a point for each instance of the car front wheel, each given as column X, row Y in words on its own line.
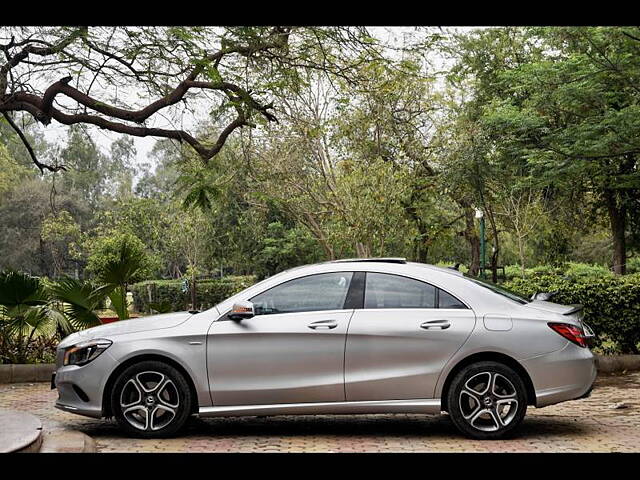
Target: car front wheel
column 151, row 399
column 487, row 400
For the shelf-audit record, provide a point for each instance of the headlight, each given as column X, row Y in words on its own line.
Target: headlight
column 85, row 352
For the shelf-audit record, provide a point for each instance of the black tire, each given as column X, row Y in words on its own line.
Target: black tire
column 473, row 409
column 151, row 417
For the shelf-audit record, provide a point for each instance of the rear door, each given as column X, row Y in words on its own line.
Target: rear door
column 399, row 342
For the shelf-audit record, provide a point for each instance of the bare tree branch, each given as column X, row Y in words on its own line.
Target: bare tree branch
column 146, row 58
column 25, row 141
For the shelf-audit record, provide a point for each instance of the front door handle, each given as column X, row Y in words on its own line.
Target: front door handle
column 436, row 324
column 323, row 325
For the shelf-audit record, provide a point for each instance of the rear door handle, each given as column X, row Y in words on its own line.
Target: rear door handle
column 323, row 325
column 436, row 324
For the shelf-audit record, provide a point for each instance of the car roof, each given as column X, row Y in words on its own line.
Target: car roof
column 394, row 260
column 448, row 279
column 375, row 259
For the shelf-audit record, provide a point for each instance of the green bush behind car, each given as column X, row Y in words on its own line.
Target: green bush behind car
column 149, row 295
column 611, row 304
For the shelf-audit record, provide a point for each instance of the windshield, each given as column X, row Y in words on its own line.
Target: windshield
column 499, row 290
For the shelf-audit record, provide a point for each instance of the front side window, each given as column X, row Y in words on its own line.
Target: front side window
column 324, row 291
column 392, row 291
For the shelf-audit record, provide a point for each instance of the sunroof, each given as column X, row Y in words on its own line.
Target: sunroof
column 380, row 259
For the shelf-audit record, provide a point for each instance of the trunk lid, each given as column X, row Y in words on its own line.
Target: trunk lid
column 569, row 310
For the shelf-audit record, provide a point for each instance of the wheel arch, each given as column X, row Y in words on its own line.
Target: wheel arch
column 106, row 393
column 495, row 357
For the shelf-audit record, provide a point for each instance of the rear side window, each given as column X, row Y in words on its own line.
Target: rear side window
column 446, row 300
column 324, row 291
column 384, row 290
column 499, row 290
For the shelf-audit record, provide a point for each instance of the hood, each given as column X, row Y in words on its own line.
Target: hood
column 553, row 307
column 152, row 322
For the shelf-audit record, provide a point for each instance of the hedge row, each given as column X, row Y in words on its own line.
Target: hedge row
column 169, row 293
column 611, row 305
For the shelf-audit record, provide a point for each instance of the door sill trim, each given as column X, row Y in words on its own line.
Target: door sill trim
column 420, row 405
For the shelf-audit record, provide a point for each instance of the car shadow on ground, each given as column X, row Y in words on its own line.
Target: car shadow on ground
column 371, row 426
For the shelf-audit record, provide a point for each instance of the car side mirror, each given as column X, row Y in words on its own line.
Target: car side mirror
column 242, row 310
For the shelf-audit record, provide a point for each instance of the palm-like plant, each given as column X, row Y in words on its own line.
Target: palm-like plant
column 80, row 300
column 118, row 273
column 30, row 309
column 25, row 314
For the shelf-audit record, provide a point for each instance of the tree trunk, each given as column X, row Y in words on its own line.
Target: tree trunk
column 313, row 226
column 473, row 239
column 496, row 245
column 362, row 250
column 521, row 252
column 422, row 251
column 618, row 220
column 44, row 265
column 421, row 246
column 193, row 291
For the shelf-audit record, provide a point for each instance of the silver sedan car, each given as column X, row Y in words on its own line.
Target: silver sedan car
column 343, row 337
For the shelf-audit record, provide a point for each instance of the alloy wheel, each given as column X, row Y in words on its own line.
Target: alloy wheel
column 488, row 401
column 149, row 401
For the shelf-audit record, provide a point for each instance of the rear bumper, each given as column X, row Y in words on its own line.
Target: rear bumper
column 587, row 394
column 566, row 374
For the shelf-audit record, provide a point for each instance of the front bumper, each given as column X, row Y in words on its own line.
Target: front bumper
column 566, row 374
column 80, row 388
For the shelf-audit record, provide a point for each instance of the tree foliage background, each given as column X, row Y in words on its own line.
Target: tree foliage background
column 278, row 146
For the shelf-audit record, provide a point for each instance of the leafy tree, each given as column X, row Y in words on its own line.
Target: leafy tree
column 284, row 248
column 120, row 168
column 63, row 236
column 11, row 173
column 118, row 261
column 86, row 165
column 160, row 182
column 521, row 211
column 191, row 231
column 568, row 114
column 390, row 119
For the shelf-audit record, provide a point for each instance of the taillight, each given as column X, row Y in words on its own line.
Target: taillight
column 570, row 332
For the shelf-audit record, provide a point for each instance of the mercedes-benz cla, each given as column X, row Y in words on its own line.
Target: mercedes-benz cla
column 342, row 337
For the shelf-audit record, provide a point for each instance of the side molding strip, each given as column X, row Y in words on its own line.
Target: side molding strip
column 426, row 406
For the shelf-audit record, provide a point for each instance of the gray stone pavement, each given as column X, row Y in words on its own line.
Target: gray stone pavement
column 587, row 425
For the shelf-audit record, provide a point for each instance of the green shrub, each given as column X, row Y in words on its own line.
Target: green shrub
column 611, row 304
column 633, row 265
column 585, row 270
column 105, row 252
column 462, row 267
column 568, row 269
column 208, row 292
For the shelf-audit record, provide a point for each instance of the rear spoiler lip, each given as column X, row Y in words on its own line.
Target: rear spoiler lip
column 576, row 308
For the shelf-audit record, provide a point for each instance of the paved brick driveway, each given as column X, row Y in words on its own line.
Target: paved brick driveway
column 588, row 425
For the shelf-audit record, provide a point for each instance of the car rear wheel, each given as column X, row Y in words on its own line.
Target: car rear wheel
column 151, row 399
column 487, row 400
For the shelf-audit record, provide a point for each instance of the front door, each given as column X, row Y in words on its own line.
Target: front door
column 292, row 351
column 398, row 344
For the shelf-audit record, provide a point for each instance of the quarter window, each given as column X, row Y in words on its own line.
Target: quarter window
column 393, row 291
column 446, row 300
column 324, row 291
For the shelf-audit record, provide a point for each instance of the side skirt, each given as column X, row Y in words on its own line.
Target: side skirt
column 427, row 406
